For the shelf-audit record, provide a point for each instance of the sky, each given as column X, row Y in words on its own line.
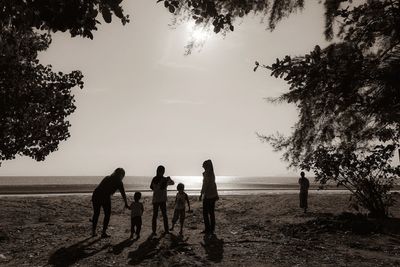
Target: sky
column 146, row 103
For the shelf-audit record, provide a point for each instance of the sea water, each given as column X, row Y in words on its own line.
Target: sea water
column 86, row 184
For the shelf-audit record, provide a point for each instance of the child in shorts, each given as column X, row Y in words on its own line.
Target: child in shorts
column 136, row 215
column 180, row 205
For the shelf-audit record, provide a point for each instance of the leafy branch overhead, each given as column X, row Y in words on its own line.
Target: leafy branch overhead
column 347, row 93
column 348, row 99
column 222, row 13
column 80, row 18
column 35, row 101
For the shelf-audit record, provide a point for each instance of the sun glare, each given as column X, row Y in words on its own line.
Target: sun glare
column 197, row 33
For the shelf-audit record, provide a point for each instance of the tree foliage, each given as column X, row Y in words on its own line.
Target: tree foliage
column 347, row 93
column 368, row 176
column 222, row 13
column 79, row 17
column 348, row 96
column 35, row 100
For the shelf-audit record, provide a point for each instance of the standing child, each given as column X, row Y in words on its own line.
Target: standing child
column 179, row 212
column 136, row 215
column 159, row 186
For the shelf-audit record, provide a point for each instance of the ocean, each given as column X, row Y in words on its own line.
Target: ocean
column 86, row 184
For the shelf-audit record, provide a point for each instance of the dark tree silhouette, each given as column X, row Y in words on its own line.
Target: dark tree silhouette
column 347, row 94
column 34, row 100
column 222, row 13
column 348, row 99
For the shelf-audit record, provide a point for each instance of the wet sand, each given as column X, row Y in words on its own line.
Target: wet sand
column 252, row 230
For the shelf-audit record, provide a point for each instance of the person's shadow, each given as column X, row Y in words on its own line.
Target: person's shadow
column 146, row 250
column 118, row 248
column 213, row 247
column 66, row 256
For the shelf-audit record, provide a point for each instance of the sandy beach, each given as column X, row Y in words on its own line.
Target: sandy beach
column 258, row 230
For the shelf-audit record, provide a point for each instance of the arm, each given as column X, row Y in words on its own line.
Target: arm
column 201, row 192
column 151, row 184
column 170, row 181
column 122, row 191
column 204, row 186
column 187, row 200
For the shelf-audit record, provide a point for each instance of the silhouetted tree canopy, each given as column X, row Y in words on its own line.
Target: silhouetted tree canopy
column 347, row 94
column 222, row 13
column 34, row 100
column 348, row 98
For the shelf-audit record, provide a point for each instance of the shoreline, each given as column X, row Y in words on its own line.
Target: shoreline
column 223, row 192
column 76, row 189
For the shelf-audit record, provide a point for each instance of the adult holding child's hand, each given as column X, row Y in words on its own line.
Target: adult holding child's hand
column 102, row 198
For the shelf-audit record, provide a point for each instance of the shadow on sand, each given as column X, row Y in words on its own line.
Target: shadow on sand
column 213, row 247
column 145, row 250
column 313, row 214
column 358, row 224
column 67, row 256
column 163, row 247
column 390, row 226
column 118, row 248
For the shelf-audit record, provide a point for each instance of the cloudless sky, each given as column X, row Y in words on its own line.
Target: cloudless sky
column 145, row 103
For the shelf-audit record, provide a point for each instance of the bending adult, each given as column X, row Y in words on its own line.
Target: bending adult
column 159, row 186
column 209, row 194
column 102, row 198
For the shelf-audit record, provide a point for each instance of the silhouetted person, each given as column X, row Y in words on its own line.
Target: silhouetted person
column 304, row 185
column 136, row 215
column 180, row 205
column 210, row 193
column 159, row 186
column 102, row 198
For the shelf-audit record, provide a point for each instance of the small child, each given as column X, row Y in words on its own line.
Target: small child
column 136, row 215
column 179, row 212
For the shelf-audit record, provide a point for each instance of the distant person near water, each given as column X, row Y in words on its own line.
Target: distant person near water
column 304, row 185
column 180, row 207
column 159, row 186
column 136, row 215
column 102, row 198
column 210, row 196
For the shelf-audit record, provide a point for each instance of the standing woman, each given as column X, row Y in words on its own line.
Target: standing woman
column 210, row 195
column 102, row 198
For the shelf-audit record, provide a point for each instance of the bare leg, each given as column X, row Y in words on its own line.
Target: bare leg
column 163, row 207
column 182, row 220
column 95, row 218
column 155, row 215
column 107, row 214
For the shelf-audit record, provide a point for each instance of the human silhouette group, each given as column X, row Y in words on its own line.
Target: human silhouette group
column 101, row 198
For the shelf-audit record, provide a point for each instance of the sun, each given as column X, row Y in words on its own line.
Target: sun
column 197, row 33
